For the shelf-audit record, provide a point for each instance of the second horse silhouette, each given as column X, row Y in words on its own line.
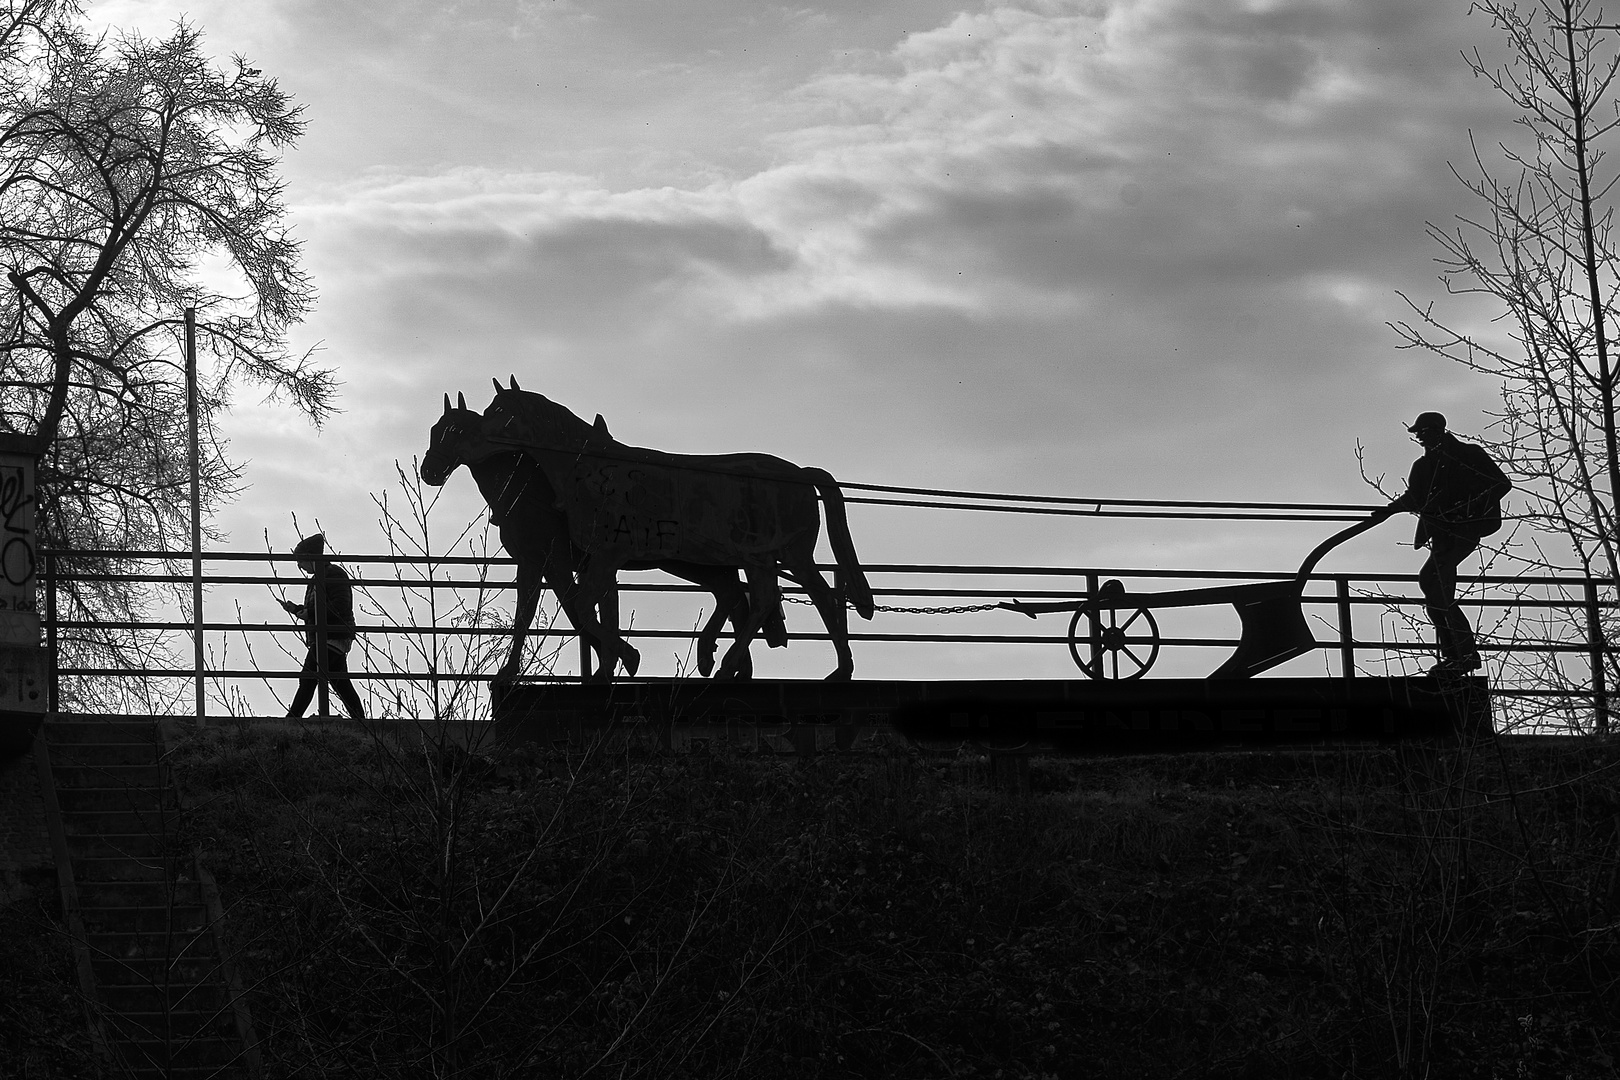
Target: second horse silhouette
column 575, row 506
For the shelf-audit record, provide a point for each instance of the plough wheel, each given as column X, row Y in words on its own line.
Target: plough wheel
column 1128, row 645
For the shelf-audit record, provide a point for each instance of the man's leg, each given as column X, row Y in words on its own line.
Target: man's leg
column 306, row 688
column 1454, row 638
column 337, row 669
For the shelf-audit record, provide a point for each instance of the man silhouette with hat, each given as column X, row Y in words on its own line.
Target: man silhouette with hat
column 328, row 600
column 1456, row 491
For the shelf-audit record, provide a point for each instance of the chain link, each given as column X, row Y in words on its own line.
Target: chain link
column 906, row 610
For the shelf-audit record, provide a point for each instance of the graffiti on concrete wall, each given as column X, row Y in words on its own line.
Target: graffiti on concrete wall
column 19, row 611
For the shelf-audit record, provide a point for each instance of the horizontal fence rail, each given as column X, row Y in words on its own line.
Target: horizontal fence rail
column 434, row 622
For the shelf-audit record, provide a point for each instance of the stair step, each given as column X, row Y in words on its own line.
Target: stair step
column 220, row 1071
column 135, row 998
column 144, row 919
column 139, row 845
column 187, row 1072
column 185, row 939
column 101, row 731
column 121, row 868
column 155, row 971
column 197, row 1053
column 134, row 774
column 139, row 799
column 87, row 754
column 148, row 894
column 177, row 1025
column 118, row 822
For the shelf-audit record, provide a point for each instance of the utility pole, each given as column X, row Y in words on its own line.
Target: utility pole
column 196, row 517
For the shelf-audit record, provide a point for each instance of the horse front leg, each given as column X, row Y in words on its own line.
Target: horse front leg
column 529, row 581
column 708, row 642
column 762, row 600
column 607, row 609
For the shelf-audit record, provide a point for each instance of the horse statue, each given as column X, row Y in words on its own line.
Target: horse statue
column 535, row 533
column 626, row 506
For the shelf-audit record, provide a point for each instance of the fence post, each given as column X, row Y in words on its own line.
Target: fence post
column 51, row 701
column 1596, row 651
column 1094, row 623
column 1347, row 648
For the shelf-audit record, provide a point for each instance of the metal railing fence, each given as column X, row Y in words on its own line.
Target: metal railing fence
column 1544, row 637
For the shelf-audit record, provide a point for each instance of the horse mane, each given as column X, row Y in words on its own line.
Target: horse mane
column 534, row 419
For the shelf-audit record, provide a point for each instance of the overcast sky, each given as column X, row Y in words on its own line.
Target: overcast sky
column 1134, row 249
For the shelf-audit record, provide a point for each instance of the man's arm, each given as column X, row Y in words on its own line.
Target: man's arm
column 339, row 597
column 1416, row 481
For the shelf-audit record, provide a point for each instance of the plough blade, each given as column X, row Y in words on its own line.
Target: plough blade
column 1274, row 628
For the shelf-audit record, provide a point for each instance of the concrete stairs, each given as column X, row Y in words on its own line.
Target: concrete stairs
column 148, row 915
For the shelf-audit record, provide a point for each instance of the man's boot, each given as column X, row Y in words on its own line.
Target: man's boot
column 1466, row 650
column 1453, row 640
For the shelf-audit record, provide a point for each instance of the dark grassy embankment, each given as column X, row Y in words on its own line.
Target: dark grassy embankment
column 1364, row 914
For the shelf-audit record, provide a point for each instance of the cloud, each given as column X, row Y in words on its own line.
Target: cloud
column 1031, row 160
column 1060, row 150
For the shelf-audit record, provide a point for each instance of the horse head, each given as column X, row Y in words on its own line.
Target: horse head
column 457, row 439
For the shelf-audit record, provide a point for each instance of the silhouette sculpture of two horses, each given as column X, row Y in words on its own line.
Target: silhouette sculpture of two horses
column 574, row 507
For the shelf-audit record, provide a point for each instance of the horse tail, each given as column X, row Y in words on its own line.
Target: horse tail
column 854, row 581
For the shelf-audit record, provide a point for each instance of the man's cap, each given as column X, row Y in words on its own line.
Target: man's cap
column 311, row 545
column 1427, row 420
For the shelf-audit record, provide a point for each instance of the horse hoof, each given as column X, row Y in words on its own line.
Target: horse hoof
column 705, row 662
column 730, row 670
column 631, row 660
column 842, row 674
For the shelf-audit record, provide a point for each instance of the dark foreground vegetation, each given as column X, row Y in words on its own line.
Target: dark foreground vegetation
column 421, row 912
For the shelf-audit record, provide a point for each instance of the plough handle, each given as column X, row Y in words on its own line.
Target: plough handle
column 1335, row 540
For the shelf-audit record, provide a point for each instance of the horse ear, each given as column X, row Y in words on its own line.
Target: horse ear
column 601, row 427
column 513, row 380
column 499, row 389
column 461, row 401
column 447, row 404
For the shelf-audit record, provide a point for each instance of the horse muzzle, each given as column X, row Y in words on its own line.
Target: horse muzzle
column 436, row 468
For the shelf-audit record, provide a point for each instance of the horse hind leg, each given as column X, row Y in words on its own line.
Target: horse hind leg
column 730, row 602
column 595, row 585
column 775, row 627
column 831, row 608
column 741, row 613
